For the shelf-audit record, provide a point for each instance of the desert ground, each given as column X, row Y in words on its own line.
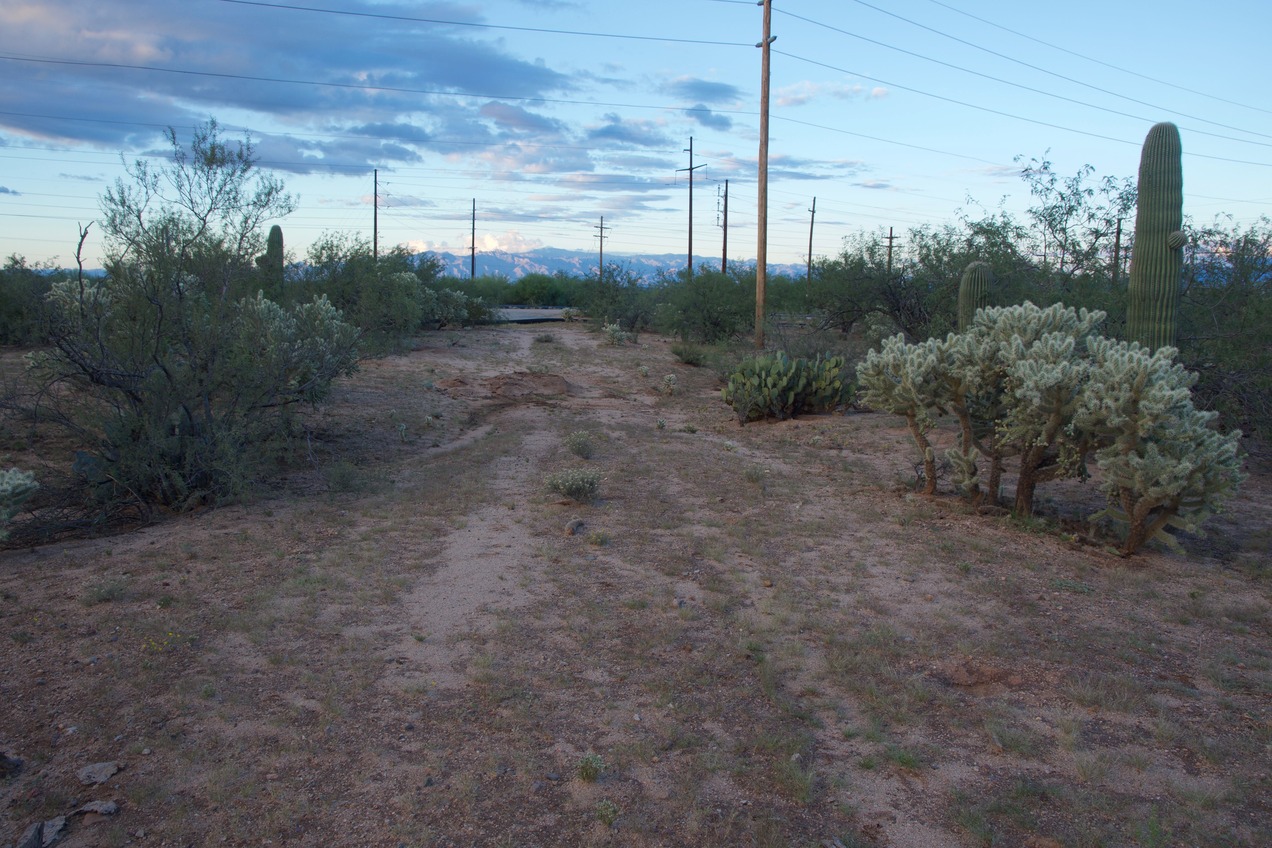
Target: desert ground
column 754, row 635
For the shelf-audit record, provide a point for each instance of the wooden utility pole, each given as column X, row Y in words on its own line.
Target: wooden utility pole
column 811, row 217
column 472, row 260
column 691, row 169
column 600, row 266
column 761, row 246
column 375, row 217
column 724, row 251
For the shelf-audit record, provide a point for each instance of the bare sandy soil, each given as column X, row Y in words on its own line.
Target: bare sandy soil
column 755, row 636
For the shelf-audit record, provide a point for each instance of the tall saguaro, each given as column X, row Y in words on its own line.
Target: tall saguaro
column 761, row 246
column 1152, row 296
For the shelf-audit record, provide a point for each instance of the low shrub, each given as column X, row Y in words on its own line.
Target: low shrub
column 580, row 444
column 16, row 487
column 579, row 484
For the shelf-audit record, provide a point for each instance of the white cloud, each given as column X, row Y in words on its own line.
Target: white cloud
column 509, row 241
column 807, row 91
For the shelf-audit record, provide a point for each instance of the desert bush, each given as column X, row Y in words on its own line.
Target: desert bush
column 618, row 297
column 616, row 335
column 707, row 307
column 775, row 386
column 16, row 487
column 22, row 292
column 580, row 444
column 181, row 381
column 580, row 484
column 689, row 353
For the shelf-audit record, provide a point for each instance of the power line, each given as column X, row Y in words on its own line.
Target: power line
column 545, row 30
column 1099, row 61
column 1021, row 62
column 1005, row 114
column 1045, row 93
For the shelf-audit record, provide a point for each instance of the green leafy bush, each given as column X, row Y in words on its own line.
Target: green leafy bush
column 775, row 386
column 181, row 379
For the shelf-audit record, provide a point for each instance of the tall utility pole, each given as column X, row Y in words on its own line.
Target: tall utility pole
column 890, row 238
column 600, row 265
column 690, row 169
column 472, row 259
column 811, row 217
column 375, row 217
column 724, row 249
column 761, row 247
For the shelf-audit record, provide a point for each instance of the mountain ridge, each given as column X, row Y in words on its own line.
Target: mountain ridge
column 550, row 260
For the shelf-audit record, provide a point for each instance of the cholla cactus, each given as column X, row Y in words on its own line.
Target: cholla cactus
column 909, row 380
column 1161, row 462
column 15, row 488
column 1041, row 387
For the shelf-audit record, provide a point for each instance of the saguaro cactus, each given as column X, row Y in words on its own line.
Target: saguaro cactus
column 272, row 262
column 1157, row 258
column 973, row 292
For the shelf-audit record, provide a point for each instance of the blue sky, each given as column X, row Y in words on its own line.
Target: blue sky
column 553, row 113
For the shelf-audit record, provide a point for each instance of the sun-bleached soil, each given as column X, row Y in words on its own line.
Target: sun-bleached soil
column 755, row 636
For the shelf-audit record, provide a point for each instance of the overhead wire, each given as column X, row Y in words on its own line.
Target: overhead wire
column 1095, row 60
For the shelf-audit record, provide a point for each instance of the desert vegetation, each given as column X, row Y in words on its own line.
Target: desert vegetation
column 629, row 581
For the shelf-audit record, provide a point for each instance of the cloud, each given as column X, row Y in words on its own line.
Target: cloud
column 629, row 132
column 804, row 92
column 692, row 88
column 516, row 119
column 7, row 190
column 509, row 241
column 709, row 119
column 876, row 185
column 263, row 65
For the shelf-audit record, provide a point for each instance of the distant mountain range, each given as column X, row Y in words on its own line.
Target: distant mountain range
column 549, row 260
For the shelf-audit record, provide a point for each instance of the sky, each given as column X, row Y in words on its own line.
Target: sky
column 550, row 115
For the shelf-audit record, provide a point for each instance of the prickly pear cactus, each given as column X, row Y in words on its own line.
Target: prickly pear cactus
column 973, row 292
column 776, row 386
column 1157, row 257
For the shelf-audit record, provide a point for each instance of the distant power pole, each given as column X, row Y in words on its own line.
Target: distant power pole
column 761, row 247
column 1117, row 255
column 690, row 169
column 472, row 260
column 375, row 217
column 890, row 238
column 600, row 265
column 812, row 216
column 724, row 251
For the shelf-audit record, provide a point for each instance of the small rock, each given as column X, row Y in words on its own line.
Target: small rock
column 9, row 766
column 573, row 526
column 553, row 776
column 97, row 773
column 101, row 808
column 768, row 584
column 408, row 726
column 539, row 786
column 52, row 831
column 428, row 781
column 32, row 837
column 145, row 751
